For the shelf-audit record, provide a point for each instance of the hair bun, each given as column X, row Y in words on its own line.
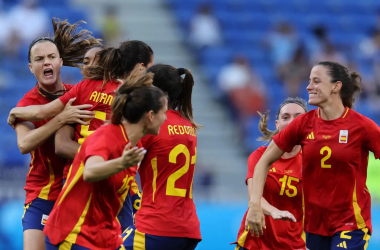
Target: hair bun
column 181, row 71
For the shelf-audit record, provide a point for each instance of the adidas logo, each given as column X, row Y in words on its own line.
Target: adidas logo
column 311, row 136
column 342, row 245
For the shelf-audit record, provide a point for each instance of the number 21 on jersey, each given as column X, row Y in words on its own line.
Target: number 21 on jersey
column 171, row 190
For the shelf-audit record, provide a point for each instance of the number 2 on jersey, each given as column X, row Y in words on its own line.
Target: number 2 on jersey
column 84, row 129
column 170, row 186
column 324, row 159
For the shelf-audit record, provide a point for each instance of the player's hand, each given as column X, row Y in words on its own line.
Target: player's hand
column 11, row 119
column 132, row 156
column 75, row 114
column 255, row 221
column 283, row 215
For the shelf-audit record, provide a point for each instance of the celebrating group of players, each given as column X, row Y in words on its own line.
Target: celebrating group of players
column 88, row 199
column 88, row 141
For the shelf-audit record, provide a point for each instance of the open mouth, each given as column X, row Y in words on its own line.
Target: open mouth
column 48, row 72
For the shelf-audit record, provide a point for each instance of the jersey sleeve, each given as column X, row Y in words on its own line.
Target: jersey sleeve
column 291, row 135
column 372, row 138
column 253, row 159
column 73, row 92
column 24, row 102
column 101, row 145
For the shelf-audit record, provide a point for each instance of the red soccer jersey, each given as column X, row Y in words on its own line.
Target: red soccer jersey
column 91, row 92
column 167, row 207
column 283, row 190
column 44, row 179
column 85, row 212
column 335, row 158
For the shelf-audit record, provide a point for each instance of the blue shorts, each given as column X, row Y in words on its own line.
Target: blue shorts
column 135, row 240
column 36, row 213
column 354, row 240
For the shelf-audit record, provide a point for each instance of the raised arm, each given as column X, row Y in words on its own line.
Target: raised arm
column 37, row 112
column 97, row 169
column 43, row 112
column 255, row 216
column 29, row 138
column 65, row 145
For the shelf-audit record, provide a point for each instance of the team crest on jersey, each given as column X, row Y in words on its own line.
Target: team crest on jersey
column 44, row 219
column 343, row 136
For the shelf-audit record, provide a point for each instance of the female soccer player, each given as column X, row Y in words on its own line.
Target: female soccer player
column 65, row 144
column 167, row 218
column 282, row 198
column 97, row 89
column 44, row 179
column 335, row 144
column 84, row 216
column 89, row 57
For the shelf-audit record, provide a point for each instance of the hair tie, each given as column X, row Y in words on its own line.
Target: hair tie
column 181, row 71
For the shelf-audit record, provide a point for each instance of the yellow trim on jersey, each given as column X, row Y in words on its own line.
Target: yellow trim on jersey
column 346, row 113
column 357, row 210
column 318, row 112
column 77, row 175
column 122, row 199
column 366, row 237
column 139, row 241
column 154, row 167
column 31, row 162
column 68, row 176
column 72, row 237
column 65, row 246
column 122, row 131
column 193, row 160
column 122, row 247
column 44, row 194
column 303, row 235
column 135, row 187
column 242, row 238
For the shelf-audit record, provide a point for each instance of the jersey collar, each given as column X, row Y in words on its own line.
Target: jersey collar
column 343, row 115
column 124, row 132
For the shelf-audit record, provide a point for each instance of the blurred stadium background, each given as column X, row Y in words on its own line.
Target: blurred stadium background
column 246, row 56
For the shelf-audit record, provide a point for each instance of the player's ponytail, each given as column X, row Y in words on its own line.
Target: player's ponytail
column 135, row 98
column 185, row 107
column 179, row 90
column 71, row 46
column 267, row 134
column 350, row 81
column 118, row 63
